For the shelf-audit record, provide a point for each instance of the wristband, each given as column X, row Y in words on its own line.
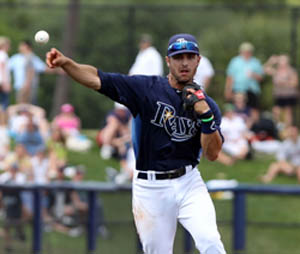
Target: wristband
column 205, row 120
column 208, row 127
column 208, row 124
column 206, row 117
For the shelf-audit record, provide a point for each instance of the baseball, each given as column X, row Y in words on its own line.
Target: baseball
column 41, row 37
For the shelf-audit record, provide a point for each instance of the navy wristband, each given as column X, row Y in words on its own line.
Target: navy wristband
column 208, row 127
column 208, row 124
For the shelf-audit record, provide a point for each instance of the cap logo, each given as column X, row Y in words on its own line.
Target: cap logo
column 181, row 40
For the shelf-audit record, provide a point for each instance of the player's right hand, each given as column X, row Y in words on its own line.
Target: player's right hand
column 55, row 58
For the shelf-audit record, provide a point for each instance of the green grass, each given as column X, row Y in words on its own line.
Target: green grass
column 261, row 238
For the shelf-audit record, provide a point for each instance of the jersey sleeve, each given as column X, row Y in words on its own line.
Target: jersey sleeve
column 127, row 90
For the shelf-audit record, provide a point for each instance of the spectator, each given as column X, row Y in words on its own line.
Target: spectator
column 57, row 200
column 18, row 118
column 244, row 73
column 70, row 125
column 12, row 203
column 31, row 138
column 204, row 73
column 116, row 133
column 67, row 121
column 148, row 61
column 241, row 108
column 26, row 67
column 19, row 156
column 285, row 87
column 4, row 139
column 70, row 208
column 77, row 209
column 115, row 140
column 16, row 121
column 234, row 129
column 40, row 167
column 264, row 135
column 39, row 175
column 57, row 152
column 288, row 157
column 5, row 85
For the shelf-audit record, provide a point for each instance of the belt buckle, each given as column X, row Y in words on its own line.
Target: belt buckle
column 151, row 176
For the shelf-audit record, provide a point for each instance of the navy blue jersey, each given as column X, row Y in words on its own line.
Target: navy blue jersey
column 165, row 137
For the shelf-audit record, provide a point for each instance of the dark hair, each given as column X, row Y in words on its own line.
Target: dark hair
column 27, row 42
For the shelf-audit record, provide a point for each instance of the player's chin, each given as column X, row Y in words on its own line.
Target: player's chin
column 186, row 76
column 185, row 80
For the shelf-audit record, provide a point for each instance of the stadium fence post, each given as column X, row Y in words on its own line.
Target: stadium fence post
column 37, row 221
column 239, row 222
column 91, row 223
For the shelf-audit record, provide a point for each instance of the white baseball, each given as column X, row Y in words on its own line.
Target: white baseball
column 41, row 37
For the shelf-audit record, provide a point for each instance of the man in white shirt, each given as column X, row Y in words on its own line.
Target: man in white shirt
column 204, row 73
column 5, row 86
column 148, row 61
column 26, row 68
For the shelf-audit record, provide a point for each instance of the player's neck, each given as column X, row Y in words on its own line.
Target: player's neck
column 175, row 84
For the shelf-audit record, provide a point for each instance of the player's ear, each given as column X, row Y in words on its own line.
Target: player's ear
column 167, row 61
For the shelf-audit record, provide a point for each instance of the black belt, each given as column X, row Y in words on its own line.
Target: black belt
column 163, row 175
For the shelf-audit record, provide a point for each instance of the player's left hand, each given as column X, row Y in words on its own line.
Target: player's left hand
column 194, row 99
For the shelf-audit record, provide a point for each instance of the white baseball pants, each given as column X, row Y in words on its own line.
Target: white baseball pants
column 158, row 204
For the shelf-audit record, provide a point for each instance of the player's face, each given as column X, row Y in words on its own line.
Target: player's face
column 183, row 67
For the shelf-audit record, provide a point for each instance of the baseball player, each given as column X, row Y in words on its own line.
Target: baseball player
column 174, row 123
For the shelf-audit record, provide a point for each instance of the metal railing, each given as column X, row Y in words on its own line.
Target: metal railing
column 239, row 222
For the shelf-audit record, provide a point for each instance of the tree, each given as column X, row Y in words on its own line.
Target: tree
column 62, row 88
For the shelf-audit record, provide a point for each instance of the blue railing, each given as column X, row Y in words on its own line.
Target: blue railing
column 239, row 208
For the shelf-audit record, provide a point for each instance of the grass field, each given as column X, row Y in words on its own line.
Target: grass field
column 263, row 236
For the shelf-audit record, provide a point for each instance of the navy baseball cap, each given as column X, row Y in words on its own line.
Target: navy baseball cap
column 182, row 43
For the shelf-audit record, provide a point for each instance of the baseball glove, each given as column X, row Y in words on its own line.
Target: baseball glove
column 190, row 98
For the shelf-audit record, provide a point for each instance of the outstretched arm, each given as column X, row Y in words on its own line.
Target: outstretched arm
column 86, row 75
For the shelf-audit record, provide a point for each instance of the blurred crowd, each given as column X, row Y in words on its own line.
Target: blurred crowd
column 35, row 150
column 249, row 130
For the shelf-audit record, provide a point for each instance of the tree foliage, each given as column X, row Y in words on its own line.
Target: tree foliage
column 108, row 35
